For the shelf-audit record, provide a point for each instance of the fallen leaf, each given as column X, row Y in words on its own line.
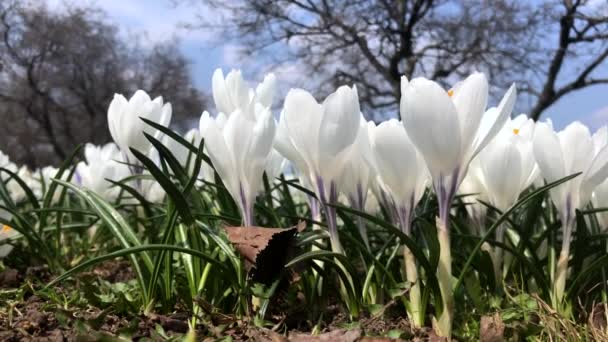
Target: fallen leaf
column 492, row 329
column 332, row 336
column 265, row 250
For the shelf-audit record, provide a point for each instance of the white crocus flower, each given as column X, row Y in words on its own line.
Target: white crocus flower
column 186, row 157
column 274, row 165
column 402, row 175
column 232, row 93
column 265, row 91
column 125, row 124
column 507, row 168
column 43, row 179
column 239, row 152
column 354, row 181
column 285, row 147
column 146, row 185
column 16, row 191
column 101, row 163
column 449, row 129
column 400, row 169
column 6, row 234
column 473, row 187
column 322, row 134
column 559, row 155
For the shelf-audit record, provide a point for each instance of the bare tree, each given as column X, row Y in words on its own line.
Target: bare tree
column 578, row 53
column 60, row 70
column 373, row 42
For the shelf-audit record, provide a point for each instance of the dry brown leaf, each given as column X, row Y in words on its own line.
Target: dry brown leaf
column 332, row 336
column 265, row 250
column 492, row 329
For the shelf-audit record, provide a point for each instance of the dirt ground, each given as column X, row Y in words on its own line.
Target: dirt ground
column 32, row 319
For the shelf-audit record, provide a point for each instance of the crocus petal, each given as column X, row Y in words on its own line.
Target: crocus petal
column 115, row 111
column 220, row 93
column 218, row 153
column 396, row 162
column 341, row 117
column 595, row 175
column 431, row 122
column 265, row 90
column 303, row 117
column 577, row 147
column 504, row 109
column 501, row 164
column 470, row 101
column 548, row 152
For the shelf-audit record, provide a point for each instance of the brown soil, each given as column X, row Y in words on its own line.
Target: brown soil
column 32, row 319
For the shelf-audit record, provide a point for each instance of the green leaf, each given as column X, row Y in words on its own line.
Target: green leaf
column 28, row 192
column 411, row 244
column 176, row 137
column 133, row 192
column 117, row 225
column 135, row 250
column 166, row 155
column 523, row 201
column 50, row 193
column 172, row 191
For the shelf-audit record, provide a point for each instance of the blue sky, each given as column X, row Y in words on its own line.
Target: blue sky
column 159, row 20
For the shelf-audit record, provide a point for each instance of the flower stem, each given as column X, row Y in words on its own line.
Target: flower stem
column 444, row 276
column 498, row 257
column 445, row 190
column 247, row 209
column 561, row 269
column 415, row 310
column 334, row 239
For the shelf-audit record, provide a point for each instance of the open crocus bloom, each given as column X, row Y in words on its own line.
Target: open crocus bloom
column 508, row 163
column 449, row 128
column 239, row 152
column 400, row 168
column 232, row 93
column 229, row 93
column 567, row 152
column 322, row 133
column 6, row 233
column 402, row 175
column 125, row 124
column 354, row 181
column 318, row 138
column 474, row 191
column 559, row 155
column 285, row 147
column 102, row 163
column 505, row 167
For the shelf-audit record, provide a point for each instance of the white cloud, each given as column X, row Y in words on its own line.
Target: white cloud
column 156, row 20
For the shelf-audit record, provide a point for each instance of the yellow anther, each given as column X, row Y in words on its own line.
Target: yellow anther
column 450, row 92
column 6, row 228
column 516, row 131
